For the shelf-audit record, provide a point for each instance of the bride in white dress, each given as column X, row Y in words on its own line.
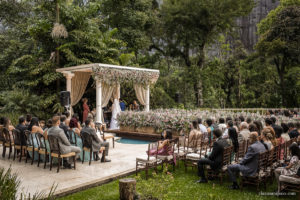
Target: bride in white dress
column 116, row 109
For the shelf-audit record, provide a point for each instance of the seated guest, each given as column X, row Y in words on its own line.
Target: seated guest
column 249, row 120
column 64, row 143
column 252, row 128
column 268, row 138
column 269, row 123
column 194, row 135
column 28, row 119
column 7, row 124
column 259, row 126
column 75, row 118
column 163, row 145
column 278, row 129
column 98, row 145
column 293, row 166
column 34, row 127
column 210, row 129
column 293, row 132
column 215, row 158
column 244, row 132
column 285, row 134
column 202, row 128
column 67, row 122
column 233, row 137
column 222, row 125
column 63, row 126
column 248, row 166
column 22, row 127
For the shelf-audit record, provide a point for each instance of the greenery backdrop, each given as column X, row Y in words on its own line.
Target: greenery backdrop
column 177, row 37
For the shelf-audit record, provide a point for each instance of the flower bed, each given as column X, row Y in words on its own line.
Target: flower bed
column 177, row 120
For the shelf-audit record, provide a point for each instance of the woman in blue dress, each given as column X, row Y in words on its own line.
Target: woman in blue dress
column 34, row 128
column 75, row 129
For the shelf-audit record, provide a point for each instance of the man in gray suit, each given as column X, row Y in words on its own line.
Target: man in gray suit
column 63, row 141
column 248, row 166
column 98, row 144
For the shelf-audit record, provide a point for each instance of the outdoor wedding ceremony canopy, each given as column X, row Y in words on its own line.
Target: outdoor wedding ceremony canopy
column 108, row 79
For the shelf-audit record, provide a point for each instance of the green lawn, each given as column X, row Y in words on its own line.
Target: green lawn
column 179, row 186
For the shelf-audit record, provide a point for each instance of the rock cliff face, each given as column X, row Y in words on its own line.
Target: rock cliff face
column 248, row 28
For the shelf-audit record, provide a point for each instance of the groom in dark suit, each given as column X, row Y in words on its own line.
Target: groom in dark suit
column 215, row 158
column 248, row 166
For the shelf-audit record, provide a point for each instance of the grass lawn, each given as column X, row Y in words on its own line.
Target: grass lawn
column 179, row 186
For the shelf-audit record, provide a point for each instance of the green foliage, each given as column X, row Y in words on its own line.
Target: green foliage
column 279, row 43
column 9, row 184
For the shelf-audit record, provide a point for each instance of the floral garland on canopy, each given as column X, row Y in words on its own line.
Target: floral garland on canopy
column 112, row 76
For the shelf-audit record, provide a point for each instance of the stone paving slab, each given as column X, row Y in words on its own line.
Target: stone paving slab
column 37, row 179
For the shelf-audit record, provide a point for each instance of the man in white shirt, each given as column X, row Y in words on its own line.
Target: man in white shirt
column 202, row 128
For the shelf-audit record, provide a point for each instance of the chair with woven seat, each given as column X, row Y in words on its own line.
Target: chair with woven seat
column 199, row 147
column 42, row 150
column 87, row 145
column 241, row 151
column 171, row 158
column 55, row 152
column 289, row 183
column 107, row 136
column 30, row 146
column 261, row 175
column 18, row 146
column 146, row 162
column 180, row 149
column 212, row 173
column 7, row 142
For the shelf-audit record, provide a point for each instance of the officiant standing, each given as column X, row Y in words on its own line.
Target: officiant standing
column 86, row 109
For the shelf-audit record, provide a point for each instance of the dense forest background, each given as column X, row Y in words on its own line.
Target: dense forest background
column 211, row 54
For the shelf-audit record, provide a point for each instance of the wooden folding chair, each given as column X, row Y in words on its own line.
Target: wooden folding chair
column 7, row 142
column 191, row 158
column 147, row 162
column 213, row 173
column 55, row 152
column 30, row 146
column 87, row 145
column 42, row 150
column 18, row 146
column 261, row 175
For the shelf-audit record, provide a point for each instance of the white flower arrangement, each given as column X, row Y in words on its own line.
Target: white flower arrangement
column 177, row 119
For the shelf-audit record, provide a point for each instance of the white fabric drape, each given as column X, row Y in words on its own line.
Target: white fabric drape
column 107, row 91
column 140, row 92
column 78, row 86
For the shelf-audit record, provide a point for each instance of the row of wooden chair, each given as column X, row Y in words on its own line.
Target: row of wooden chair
column 16, row 143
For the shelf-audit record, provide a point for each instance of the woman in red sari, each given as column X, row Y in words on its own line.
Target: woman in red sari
column 86, row 109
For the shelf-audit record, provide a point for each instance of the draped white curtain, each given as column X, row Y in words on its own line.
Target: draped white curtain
column 107, row 91
column 78, row 86
column 140, row 92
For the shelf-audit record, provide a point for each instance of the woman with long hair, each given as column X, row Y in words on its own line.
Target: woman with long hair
column 34, row 128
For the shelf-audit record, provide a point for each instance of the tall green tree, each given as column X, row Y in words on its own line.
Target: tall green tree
column 189, row 26
column 279, row 42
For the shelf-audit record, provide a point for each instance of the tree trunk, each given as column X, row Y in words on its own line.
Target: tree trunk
column 127, row 189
